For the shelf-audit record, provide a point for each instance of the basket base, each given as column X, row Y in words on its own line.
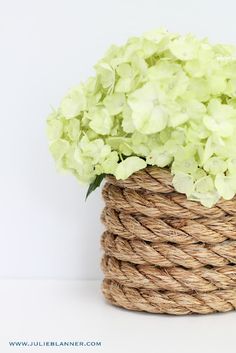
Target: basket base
column 165, row 302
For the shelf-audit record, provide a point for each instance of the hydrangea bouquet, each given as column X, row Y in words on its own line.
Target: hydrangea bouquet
column 161, row 99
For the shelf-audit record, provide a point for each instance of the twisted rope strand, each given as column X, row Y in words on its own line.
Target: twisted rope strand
column 172, row 279
column 184, row 231
column 169, row 302
column 150, row 178
column 161, row 205
column 167, row 254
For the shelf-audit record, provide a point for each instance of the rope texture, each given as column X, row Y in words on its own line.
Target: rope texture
column 164, row 253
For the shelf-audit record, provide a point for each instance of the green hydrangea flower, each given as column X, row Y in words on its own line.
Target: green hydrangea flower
column 160, row 99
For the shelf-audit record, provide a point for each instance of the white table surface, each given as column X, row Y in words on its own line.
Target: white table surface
column 53, row 310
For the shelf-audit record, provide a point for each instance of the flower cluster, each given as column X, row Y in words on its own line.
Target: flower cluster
column 161, row 99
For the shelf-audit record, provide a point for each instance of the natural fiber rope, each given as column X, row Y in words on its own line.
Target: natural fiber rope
column 162, row 205
column 152, row 179
column 176, row 303
column 164, row 253
column 167, row 254
column 173, row 279
column 179, row 231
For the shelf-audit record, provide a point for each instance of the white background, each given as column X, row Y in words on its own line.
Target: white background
column 47, row 46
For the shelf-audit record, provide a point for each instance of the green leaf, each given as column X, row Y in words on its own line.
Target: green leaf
column 96, row 183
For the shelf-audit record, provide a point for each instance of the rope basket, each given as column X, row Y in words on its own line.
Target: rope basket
column 164, row 253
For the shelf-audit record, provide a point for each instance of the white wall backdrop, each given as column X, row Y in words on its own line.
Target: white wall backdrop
column 47, row 46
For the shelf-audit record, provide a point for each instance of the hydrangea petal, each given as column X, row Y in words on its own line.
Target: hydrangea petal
column 58, row 149
column 128, row 167
column 114, row 103
column 185, row 47
column 101, row 121
column 152, row 122
column 226, row 186
column 54, row 128
column 73, row 103
column 183, row 183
